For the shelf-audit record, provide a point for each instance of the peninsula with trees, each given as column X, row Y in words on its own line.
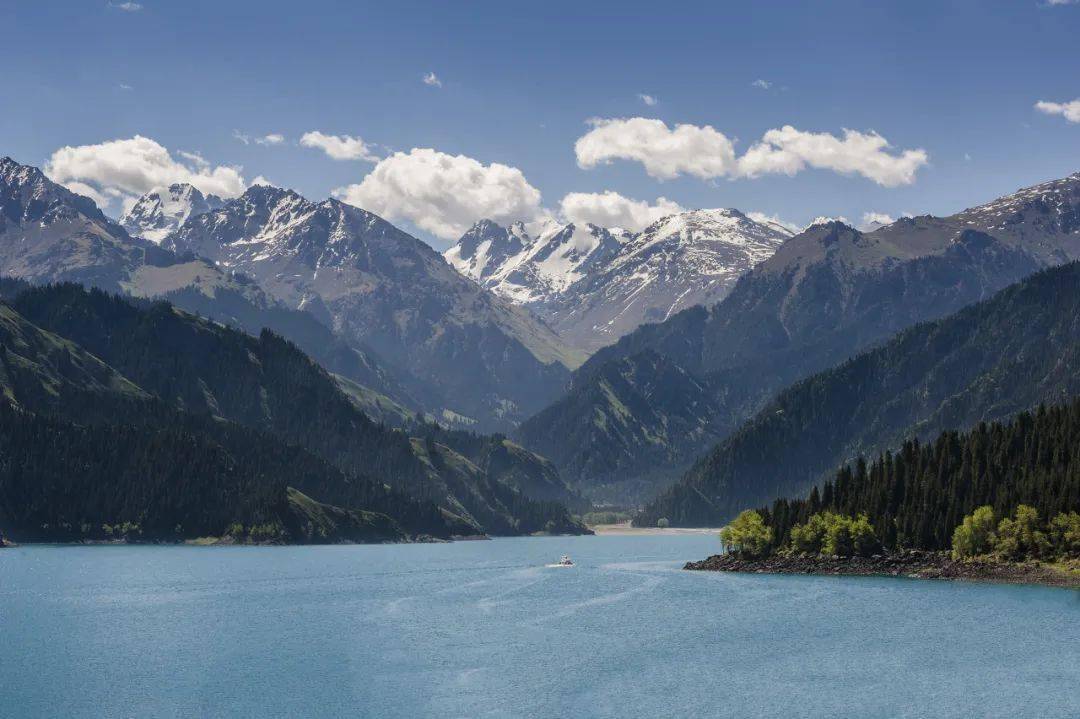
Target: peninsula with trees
column 1000, row 502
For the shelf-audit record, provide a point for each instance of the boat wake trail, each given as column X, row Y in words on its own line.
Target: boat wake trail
column 531, row 576
column 650, row 581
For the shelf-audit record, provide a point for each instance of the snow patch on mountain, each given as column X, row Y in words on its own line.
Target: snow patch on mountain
column 380, row 287
column 594, row 284
column 162, row 211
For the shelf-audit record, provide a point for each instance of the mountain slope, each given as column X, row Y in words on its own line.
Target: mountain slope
column 49, row 234
column 267, row 384
column 986, row 362
column 830, row 292
column 378, row 286
column 594, row 285
column 176, row 480
column 142, row 462
column 643, row 409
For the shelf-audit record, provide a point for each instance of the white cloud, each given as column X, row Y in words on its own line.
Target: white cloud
column 774, row 220
column 339, row 147
column 1062, row 2
column 273, row 138
column 874, row 219
column 125, row 87
column 707, row 153
column 126, row 6
column 761, row 84
column 443, row 194
column 1069, row 110
column 610, row 209
column 125, row 169
column 649, row 100
column 432, row 79
column 825, row 220
column 790, row 151
column 81, row 188
column 195, row 157
column 666, row 153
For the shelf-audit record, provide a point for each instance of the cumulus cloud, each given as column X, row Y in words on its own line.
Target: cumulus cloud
column 1069, row 110
column 125, row 169
column 790, row 151
column 81, row 188
column 706, row 153
column 665, row 152
column 649, row 100
column 339, row 147
column 761, row 84
column 825, row 220
column 774, row 220
column 871, row 220
column 432, row 79
column 443, row 194
column 273, row 138
column 610, row 209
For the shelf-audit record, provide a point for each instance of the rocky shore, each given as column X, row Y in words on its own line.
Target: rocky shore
column 911, row 563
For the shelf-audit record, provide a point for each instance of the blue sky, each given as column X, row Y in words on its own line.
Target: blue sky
column 518, row 83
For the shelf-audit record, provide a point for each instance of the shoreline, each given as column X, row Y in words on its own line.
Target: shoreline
column 625, row 529
column 914, row 564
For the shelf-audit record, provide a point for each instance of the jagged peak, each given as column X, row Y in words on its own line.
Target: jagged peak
column 13, row 171
column 484, row 226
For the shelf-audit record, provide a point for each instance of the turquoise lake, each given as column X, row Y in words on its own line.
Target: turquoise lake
column 485, row 629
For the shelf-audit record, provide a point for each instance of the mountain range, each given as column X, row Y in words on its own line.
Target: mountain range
column 473, row 355
column 721, row 349
column 95, row 358
column 594, row 284
column 367, row 300
column 826, row 294
column 989, row 361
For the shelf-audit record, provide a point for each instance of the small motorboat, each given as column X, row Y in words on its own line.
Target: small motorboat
column 565, row 561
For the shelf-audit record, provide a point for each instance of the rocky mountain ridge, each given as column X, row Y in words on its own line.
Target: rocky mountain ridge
column 825, row 295
column 478, row 356
column 594, row 284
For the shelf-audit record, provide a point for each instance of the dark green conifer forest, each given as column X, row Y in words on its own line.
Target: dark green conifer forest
column 916, row 496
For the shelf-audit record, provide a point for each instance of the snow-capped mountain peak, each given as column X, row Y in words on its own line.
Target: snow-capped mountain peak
column 594, row 284
column 387, row 290
column 161, row 211
column 532, row 269
column 1057, row 200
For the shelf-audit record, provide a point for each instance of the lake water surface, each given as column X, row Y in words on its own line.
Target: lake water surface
column 484, row 629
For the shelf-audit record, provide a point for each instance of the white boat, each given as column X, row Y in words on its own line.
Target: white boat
column 565, row 561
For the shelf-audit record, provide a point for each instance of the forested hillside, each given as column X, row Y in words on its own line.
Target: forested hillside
column 220, row 375
column 828, row 293
column 917, row 496
column 986, row 362
column 158, row 475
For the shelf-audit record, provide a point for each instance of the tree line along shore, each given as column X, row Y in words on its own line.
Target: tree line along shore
column 999, row 502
